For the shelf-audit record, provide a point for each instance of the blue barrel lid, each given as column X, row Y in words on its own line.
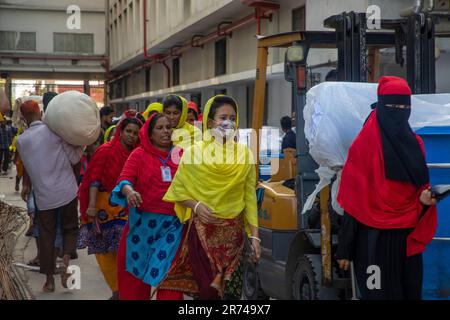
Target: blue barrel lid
column 444, row 130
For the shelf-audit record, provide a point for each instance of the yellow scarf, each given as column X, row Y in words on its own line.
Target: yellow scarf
column 185, row 134
column 108, row 133
column 13, row 146
column 156, row 106
column 227, row 188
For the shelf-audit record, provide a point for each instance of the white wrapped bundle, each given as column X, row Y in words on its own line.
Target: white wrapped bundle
column 335, row 113
column 75, row 117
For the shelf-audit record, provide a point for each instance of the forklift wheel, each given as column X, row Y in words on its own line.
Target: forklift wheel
column 306, row 281
column 251, row 287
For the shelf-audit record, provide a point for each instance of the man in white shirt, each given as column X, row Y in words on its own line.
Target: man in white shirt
column 48, row 162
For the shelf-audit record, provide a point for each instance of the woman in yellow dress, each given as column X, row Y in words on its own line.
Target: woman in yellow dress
column 214, row 191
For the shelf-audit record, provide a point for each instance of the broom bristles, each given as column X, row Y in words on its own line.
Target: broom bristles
column 12, row 220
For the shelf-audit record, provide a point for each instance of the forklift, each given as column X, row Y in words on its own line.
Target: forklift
column 297, row 250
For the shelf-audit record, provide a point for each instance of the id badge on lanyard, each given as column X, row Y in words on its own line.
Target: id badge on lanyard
column 166, row 174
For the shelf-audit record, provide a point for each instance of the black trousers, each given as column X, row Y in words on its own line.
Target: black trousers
column 5, row 159
column 400, row 277
column 47, row 234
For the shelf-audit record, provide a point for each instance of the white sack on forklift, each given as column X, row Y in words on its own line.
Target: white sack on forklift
column 334, row 115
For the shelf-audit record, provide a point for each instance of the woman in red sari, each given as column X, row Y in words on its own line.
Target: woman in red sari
column 103, row 222
column 153, row 233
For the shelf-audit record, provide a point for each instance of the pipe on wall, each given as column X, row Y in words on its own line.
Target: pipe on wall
column 159, row 58
column 200, row 40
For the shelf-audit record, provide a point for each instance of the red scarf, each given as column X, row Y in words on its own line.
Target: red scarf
column 377, row 202
column 143, row 170
column 105, row 167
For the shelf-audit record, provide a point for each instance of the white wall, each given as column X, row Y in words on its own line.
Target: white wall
column 169, row 17
column 198, row 64
column 166, row 18
column 45, row 23
column 279, row 100
column 85, row 5
column 45, row 18
column 442, row 72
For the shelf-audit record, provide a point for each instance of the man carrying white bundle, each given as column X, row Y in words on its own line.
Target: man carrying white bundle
column 48, row 160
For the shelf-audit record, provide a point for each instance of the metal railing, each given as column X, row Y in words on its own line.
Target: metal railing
column 438, row 166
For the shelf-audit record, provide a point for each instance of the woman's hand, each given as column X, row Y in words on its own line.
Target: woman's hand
column 427, row 198
column 91, row 212
column 205, row 214
column 134, row 199
column 344, row 264
column 256, row 250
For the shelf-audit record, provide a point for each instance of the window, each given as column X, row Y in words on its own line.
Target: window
column 73, row 43
column 147, row 79
column 197, row 98
column 220, row 91
column 299, row 19
column 119, row 91
column 17, row 41
column 125, row 86
column 221, row 57
column 176, row 71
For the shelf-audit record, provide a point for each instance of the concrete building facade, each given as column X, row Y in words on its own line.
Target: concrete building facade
column 226, row 63
column 45, row 39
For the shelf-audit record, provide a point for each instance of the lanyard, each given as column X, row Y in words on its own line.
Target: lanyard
column 164, row 162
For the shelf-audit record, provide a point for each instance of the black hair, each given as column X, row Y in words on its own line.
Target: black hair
column 140, row 117
column 194, row 112
column 152, row 113
column 286, row 123
column 220, row 102
column 48, row 96
column 173, row 100
column 128, row 121
column 106, row 111
column 332, row 75
column 152, row 123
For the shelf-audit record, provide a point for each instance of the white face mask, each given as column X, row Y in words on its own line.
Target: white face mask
column 225, row 130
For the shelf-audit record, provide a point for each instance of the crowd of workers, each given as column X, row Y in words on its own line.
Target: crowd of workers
column 151, row 222
column 180, row 227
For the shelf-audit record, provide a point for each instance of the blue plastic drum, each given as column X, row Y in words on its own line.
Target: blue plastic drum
column 436, row 285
